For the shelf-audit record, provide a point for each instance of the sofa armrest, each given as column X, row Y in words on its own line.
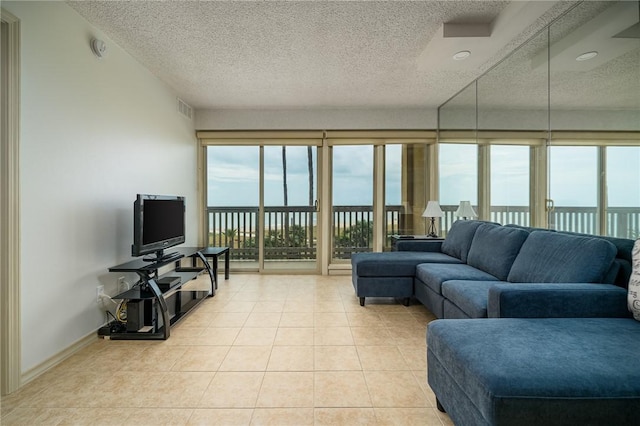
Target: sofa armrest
column 543, row 300
column 418, row 245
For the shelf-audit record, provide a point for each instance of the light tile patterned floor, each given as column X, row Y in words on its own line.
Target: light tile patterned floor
column 266, row 350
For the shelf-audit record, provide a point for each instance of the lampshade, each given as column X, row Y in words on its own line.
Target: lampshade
column 433, row 210
column 465, row 210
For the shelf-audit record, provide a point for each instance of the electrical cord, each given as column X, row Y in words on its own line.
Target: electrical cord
column 115, row 326
column 112, row 316
column 121, row 311
column 104, row 296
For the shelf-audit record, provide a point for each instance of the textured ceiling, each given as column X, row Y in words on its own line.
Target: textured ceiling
column 313, row 54
column 527, row 80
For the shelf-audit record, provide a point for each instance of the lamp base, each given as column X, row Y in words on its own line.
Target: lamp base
column 432, row 229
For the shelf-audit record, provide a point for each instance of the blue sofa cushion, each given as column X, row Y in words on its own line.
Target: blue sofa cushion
column 394, row 263
column 434, row 274
column 494, row 248
column 556, row 300
column 553, row 257
column 459, row 238
column 624, row 246
column 621, row 268
column 537, row 371
column 471, row 297
column 616, row 268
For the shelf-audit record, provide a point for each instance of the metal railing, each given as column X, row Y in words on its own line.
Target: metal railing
column 291, row 232
column 518, row 215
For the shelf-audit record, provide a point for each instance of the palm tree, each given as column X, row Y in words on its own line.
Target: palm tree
column 284, row 187
column 231, row 235
column 311, row 199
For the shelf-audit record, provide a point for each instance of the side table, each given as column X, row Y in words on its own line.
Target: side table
column 213, row 253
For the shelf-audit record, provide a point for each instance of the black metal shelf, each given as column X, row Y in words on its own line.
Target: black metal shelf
column 140, row 292
column 172, row 304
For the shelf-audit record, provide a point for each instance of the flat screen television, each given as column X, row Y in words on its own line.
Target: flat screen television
column 158, row 223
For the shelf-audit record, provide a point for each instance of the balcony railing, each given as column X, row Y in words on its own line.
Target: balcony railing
column 622, row 222
column 291, row 232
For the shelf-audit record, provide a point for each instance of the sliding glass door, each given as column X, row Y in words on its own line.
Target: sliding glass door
column 509, row 180
column 623, row 191
column 352, row 200
column 233, row 201
column 573, row 189
column 261, row 203
column 290, row 217
column 458, row 166
column 306, row 201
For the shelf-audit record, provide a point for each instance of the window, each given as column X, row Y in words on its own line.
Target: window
column 623, row 192
column 233, row 188
column 458, row 169
column 352, row 200
column 573, row 189
column 510, row 184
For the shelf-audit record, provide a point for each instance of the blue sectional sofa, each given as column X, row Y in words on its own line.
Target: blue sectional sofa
column 454, row 278
column 557, row 345
column 549, row 355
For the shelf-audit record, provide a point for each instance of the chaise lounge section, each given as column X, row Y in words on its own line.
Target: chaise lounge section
column 542, row 372
column 392, row 274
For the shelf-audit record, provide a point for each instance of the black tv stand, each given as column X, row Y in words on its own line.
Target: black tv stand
column 163, row 305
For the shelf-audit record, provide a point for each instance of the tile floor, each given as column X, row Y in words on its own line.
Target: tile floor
column 266, row 350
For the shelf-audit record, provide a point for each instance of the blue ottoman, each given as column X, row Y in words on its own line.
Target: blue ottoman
column 552, row 371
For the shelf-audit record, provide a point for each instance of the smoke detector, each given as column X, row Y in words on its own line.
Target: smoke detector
column 98, row 48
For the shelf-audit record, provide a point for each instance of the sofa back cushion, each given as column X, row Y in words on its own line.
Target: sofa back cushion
column 494, row 249
column 459, row 238
column 553, row 257
column 621, row 267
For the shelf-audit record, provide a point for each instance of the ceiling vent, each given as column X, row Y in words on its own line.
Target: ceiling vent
column 185, row 109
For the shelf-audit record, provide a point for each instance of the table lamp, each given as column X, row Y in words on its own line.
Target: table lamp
column 465, row 210
column 432, row 211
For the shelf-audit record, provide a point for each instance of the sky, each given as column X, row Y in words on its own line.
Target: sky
column 233, row 175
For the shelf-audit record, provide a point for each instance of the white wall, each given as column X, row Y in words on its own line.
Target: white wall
column 94, row 132
column 317, row 119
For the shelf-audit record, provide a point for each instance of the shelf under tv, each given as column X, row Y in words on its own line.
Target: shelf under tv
column 164, row 306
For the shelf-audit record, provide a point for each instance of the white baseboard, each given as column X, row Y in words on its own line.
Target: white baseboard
column 56, row 359
column 340, row 269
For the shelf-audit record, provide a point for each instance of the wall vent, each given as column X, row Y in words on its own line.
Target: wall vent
column 185, row 109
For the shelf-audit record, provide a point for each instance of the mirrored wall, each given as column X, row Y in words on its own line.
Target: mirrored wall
column 554, row 129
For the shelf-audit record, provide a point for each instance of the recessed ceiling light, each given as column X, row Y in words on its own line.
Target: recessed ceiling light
column 463, row 54
column 586, row 56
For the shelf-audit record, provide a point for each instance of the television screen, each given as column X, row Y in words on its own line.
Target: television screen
column 158, row 223
column 163, row 220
